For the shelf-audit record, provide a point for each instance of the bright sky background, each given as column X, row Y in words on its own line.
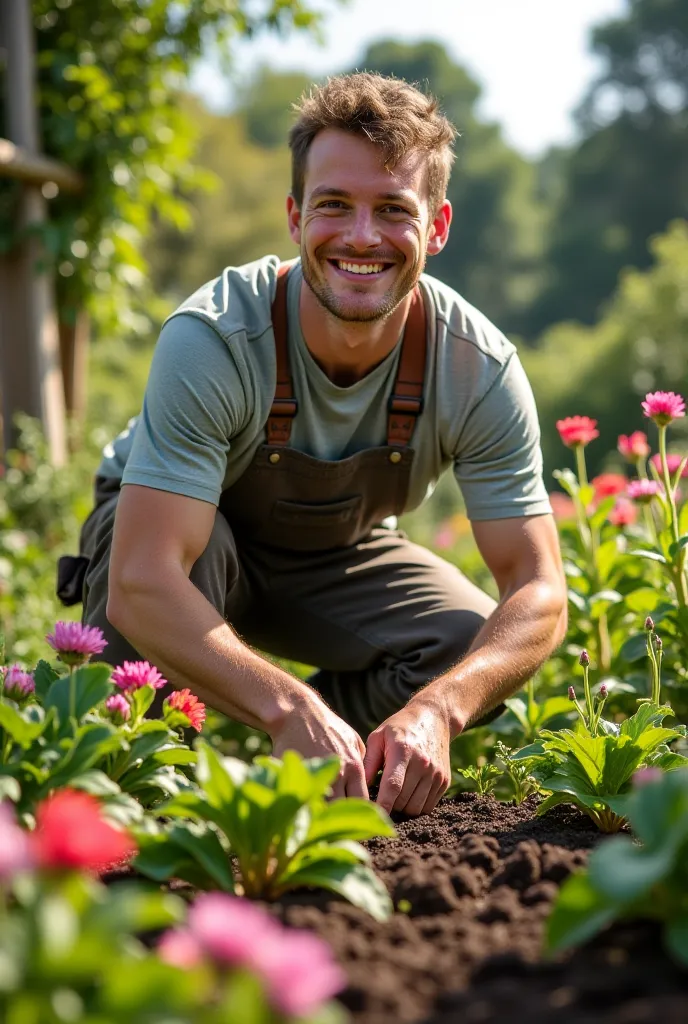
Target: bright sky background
column 530, row 56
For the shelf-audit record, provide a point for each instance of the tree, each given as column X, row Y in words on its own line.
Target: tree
column 628, row 177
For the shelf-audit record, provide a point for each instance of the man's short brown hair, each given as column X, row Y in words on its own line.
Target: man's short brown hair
column 394, row 115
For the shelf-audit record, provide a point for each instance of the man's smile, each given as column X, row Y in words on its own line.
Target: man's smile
column 358, row 268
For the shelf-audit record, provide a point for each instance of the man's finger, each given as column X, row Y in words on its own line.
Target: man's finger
column 392, row 781
column 374, row 755
column 416, row 775
column 355, row 782
column 418, row 802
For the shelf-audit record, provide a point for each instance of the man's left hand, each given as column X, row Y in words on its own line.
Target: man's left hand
column 412, row 748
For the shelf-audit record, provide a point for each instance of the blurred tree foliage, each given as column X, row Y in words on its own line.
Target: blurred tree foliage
column 628, row 177
column 605, row 370
column 109, row 81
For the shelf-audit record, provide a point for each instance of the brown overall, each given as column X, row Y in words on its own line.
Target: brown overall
column 300, row 566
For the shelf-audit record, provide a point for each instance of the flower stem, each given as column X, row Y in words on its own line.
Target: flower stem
column 72, row 693
column 679, row 575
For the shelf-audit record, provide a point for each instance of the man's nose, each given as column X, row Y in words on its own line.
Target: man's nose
column 361, row 231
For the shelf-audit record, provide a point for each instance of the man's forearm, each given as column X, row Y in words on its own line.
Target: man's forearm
column 524, row 629
column 173, row 625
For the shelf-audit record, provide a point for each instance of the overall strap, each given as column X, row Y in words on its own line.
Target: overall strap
column 406, row 400
column 284, row 405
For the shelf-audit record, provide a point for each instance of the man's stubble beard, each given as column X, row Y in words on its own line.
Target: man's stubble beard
column 334, row 305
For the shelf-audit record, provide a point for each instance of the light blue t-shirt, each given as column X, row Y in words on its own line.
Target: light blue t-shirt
column 212, row 381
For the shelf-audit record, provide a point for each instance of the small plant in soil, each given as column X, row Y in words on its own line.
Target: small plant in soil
column 485, row 776
column 590, row 765
column 518, row 771
column 274, row 820
column 625, row 879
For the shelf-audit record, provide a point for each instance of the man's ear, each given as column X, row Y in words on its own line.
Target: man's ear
column 294, row 219
column 439, row 229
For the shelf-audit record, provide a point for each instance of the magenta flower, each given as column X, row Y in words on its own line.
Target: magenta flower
column 179, row 948
column 17, row 684
column 15, row 852
column 624, row 513
column 644, row 490
column 647, row 775
column 75, row 643
column 132, row 675
column 577, row 430
column 633, row 446
column 117, row 706
column 673, row 464
column 300, row 972
column 663, row 407
column 230, row 930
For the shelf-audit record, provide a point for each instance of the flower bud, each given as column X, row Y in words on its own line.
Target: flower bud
column 604, row 691
column 572, row 693
column 657, row 640
column 584, row 658
column 649, row 624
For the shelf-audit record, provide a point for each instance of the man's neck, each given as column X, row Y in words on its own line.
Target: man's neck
column 347, row 350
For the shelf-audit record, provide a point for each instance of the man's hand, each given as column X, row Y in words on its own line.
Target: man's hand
column 412, row 748
column 316, row 731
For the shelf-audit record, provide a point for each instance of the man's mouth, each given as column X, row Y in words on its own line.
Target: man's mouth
column 360, row 269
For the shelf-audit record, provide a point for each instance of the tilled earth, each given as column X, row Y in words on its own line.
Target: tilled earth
column 476, row 881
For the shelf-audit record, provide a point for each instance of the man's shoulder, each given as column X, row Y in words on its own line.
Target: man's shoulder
column 458, row 321
column 239, row 300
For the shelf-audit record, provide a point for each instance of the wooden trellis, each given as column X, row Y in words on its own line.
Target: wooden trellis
column 34, row 374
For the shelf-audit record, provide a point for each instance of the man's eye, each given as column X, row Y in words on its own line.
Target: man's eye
column 332, row 204
column 394, row 209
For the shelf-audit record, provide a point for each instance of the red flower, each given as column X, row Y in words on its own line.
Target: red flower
column 72, row 835
column 575, row 430
column 189, row 705
column 633, row 446
column 608, row 484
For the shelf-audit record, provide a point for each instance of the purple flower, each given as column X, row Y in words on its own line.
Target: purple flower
column 643, row 490
column 132, row 675
column 75, row 643
column 17, row 684
column 15, row 852
column 604, row 691
column 117, row 706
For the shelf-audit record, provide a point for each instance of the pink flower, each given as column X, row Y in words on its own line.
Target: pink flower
column 132, row 675
column 18, row 684
column 71, row 834
column 624, row 513
column 118, row 708
column 663, row 407
column 643, row 490
column 75, row 643
column 15, row 852
column 563, row 507
column 673, row 462
column 444, row 537
column 647, row 775
column 189, row 705
column 634, row 446
column 300, row 972
column 180, row 948
column 575, row 430
column 230, row 930
column 608, row 484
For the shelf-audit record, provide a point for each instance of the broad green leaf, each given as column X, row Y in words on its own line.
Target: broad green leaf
column 213, row 777
column 653, row 556
column 647, row 715
column 659, row 811
column 568, row 480
column 634, row 648
column 606, row 558
column 356, row 883
column 599, row 516
column 579, row 913
column 44, row 676
column 519, row 709
column 96, row 783
column 18, row 725
column 142, row 746
column 122, row 810
column 578, row 601
column 141, row 700
column 160, row 859
column 203, row 845
column 134, row 908
column 600, row 602
column 91, row 744
column 644, row 600
column 552, row 707
column 9, row 789
column 676, row 938
column 175, row 756
column 91, row 686
column 588, row 751
column 623, row 872
column 622, row 757
column 350, row 819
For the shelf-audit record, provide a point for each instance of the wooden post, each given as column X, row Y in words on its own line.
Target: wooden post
column 30, row 373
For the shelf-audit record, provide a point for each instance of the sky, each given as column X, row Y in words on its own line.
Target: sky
column 530, row 56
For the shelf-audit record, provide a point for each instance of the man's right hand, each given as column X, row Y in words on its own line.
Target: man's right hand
column 316, row 731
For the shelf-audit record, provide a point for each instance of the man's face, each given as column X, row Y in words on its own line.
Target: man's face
column 364, row 232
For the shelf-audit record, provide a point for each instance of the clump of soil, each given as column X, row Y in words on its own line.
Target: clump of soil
column 476, row 881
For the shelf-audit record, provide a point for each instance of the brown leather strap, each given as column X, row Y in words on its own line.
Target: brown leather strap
column 406, row 400
column 284, row 405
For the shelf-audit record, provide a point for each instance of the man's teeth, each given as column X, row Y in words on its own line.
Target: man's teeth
column 361, row 268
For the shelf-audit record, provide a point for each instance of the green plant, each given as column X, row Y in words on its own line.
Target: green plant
column 530, row 714
column 519, row 772
column 483, row 775
column 273, row 817
column 628, row 879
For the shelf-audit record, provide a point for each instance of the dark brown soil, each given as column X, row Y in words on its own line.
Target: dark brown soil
column 476, row 880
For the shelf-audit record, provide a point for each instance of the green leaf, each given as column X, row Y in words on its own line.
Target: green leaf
column 44, row 676
column 579, row 913
column 552, row 707
column 91, row 686
column 356, row 883
column 91, row 744
column 676, row 938
column 17, row 724
column 212, row 775
column 568, row 480
column 350, row 819
column 623, row 873
column 141, row 700
column 653, row 556
column 644, row 600
column 175, row 756
column 9, row 789
column 96, row 783
column 203, row 845
column 519, row 709
column 634, row 648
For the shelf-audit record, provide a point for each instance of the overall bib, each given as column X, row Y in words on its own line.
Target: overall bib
column 300, row 566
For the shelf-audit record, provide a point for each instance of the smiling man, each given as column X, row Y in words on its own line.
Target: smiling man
column 290, row 412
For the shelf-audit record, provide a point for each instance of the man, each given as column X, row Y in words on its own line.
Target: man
column 289, row 412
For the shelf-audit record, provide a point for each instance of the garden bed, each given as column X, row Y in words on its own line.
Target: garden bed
column 479, row 878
